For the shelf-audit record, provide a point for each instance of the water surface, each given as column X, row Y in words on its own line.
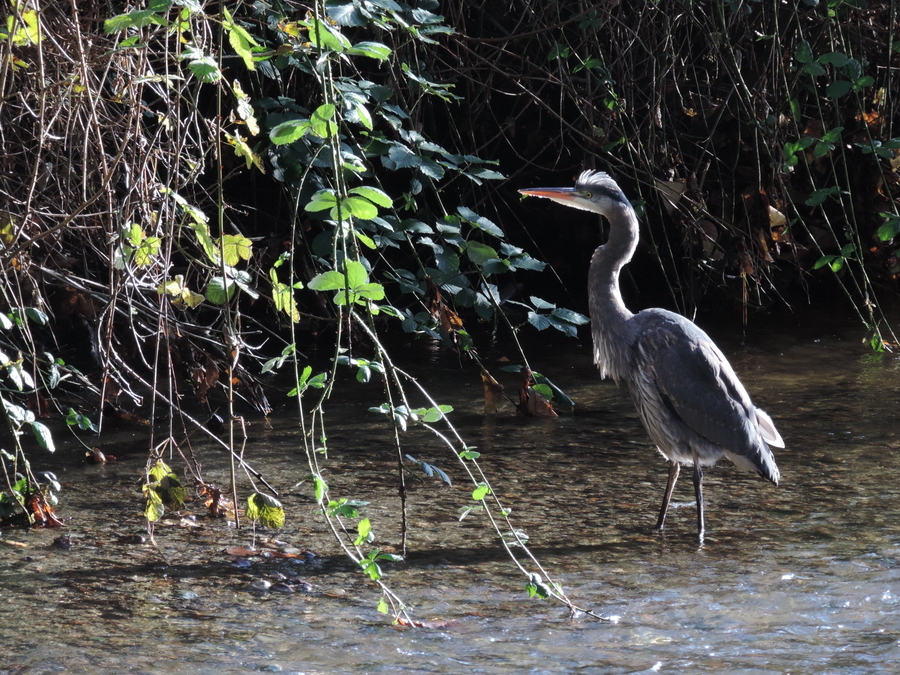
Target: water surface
column 800, row 578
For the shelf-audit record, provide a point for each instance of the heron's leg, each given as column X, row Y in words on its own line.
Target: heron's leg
column 674, row 468
column 698, row 491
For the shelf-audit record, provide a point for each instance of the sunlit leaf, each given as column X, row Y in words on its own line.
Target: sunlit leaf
column 322, row 200
column 136, row 19
column 236, row 247
column 154, row 509
column 143, row 255
column 43, row 436
column 480, row 492
column 374, row 50
column 321, row 35
column 239, row 39
column 265, row 509
column 243, row 149
column 205, row 69
column 290, row 131
column 358, row 208
column 322, row 122
column 364, row 531
column 321, row 488
column 219, row 291
column 375, row 195
column 327, row 281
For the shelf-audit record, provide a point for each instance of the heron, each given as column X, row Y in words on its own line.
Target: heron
column 688, row 397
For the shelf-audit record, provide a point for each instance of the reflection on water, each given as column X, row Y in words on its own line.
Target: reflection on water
column 801, row 578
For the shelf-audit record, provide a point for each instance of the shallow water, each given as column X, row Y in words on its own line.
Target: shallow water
column 800, row 578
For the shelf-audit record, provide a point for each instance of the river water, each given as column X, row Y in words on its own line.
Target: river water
column 802, row 578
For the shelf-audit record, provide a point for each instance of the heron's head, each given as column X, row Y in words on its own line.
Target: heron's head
column 594, row 191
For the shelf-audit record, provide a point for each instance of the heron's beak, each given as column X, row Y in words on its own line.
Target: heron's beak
column 557, row 194
column 565, row 196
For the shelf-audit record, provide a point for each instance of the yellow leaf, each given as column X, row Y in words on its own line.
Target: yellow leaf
column 236, row 247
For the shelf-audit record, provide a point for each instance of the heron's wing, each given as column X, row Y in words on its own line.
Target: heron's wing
column 697, row 383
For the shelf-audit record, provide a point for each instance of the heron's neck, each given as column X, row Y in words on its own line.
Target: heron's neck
column 609, row 316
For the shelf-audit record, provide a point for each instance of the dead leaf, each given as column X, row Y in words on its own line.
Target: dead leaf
column 493, row 392
column 439, row 310
column 95, row 456
column 41, row 512
column 532, row 403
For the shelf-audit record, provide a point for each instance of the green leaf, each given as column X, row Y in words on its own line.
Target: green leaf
column 375, row 195
column 371, row 568
column 201, row 229
column 205, row 69
column 149, row 247
column 480, row 222
column 891, row 228
column 837, row 59
column 43, row 436
column 136, row 19
column 820, row 196
column 321, row 488
column 366, row 240
column 327, row 281
column 360, row 113
column 265, row 509
column 372, row 291
column 322, row 200
column 290, row 131
column 242, row 149
column 358, row 208
column 570, row 316
column 539, row 321
column 134, row 235
column 322, row 123
column 239, row 39
column 383, row 606
column 364, row 532
column 374, row 50
column 154, row 510
column 323, row 37
column 219, row 291
column 480, row 492
column 838, row 89
column 36, row 316
column 356, row 274
column 283, row 297
column 804, row 52
column 479, row 253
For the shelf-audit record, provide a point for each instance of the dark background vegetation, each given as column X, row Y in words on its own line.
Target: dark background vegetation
column 758, row 139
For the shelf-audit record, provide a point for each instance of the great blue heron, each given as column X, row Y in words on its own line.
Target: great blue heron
column 690, row 400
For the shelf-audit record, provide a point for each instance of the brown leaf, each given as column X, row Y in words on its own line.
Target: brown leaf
column 439, row 310
column 532, row 403
column 536, row 405
column 41, row 511
column 493, row 392
column 95, row 456
column 215, row 501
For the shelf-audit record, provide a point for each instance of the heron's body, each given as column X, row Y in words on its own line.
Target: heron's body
column 691, row 402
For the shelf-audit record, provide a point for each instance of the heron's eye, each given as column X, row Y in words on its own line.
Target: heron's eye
column 588, row 195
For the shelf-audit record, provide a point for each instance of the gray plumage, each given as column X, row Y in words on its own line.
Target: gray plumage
column 691, row 402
